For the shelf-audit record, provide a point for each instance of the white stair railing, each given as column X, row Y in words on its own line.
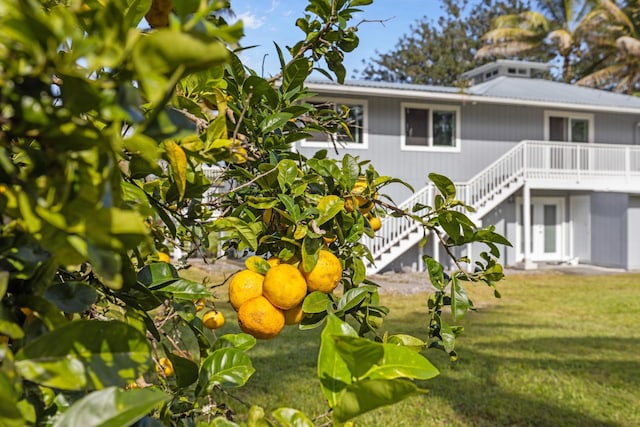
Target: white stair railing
column 398, row 234
column 545, row 164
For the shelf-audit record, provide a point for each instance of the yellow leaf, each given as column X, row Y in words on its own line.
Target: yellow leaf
column 257, row 264
column 178, row 161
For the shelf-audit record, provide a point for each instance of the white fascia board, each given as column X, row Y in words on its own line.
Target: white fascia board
column 462, row 97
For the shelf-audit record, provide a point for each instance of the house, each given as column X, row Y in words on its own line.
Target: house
column 554, row 167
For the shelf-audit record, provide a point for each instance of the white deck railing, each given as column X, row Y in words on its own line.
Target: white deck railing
column 543, row 164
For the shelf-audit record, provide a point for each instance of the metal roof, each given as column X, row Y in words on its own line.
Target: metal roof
column 550, row 91
column 500, row 90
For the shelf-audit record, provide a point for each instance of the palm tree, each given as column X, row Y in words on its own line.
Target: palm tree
column 615, row 42
column 557, row 28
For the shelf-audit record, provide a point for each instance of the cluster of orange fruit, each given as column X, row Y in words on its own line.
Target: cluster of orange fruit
column 266, row 303
column 365, row 206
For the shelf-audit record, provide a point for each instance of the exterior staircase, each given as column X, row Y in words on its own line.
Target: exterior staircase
column 541, row 164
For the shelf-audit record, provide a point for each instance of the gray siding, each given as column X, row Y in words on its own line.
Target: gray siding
column 609, row 227
column 487, row 132
column 482, row 142
column 633, row 244
column 617, row 129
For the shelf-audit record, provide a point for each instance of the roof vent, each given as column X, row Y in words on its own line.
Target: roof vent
column 506, row 67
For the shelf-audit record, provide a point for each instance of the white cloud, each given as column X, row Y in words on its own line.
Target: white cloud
column 250, row 20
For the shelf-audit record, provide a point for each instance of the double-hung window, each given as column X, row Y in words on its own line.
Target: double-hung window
column 430, row 127
column 356, row 122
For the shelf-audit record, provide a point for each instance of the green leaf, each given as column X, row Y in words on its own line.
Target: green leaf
column 240, row 230
column 352, row 298
column 86, row 354
column 163, row 51
column 408, row 341
column 333, row 371
column 178, row 162
column 329, row 207
column 274, row 121
column 360, row 354
column 185, row 370
column 4, row 283
column 310, row 252
column 287, row 173
column 136, row 9
column 157, row 273
column 292, row 418
column 355, row 3
column 220, row 422
column 111, row 407
column 436, row 273
column 402, row 362
column 448, row 336
column 10, row 415
column 227, row 367
column 261, row 91
column 366, row 395
column 444, row 185
column 295, row 74
column 316, row 302
column 459, row 300
column 71, row 297
column 240, row 341
column 184, row 289
column 375, row 360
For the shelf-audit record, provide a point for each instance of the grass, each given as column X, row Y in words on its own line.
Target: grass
column 556, row 350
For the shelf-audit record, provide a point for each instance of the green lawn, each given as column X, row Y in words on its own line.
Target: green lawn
column 556, row 350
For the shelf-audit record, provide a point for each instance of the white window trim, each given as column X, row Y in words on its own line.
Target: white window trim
column 569, row 115
column 430, row 107
column 350, row 145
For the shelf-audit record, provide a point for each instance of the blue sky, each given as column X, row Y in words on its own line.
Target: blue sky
column 267, row 21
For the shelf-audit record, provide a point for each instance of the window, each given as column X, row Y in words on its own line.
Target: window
column 569, row 127
column 356, row 122
column 435, row 127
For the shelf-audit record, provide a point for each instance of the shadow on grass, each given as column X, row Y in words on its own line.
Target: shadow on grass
column 481, row 404
column 474, row 388
column 590, row 370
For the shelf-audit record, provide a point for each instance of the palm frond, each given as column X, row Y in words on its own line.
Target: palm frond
column 562, row 38
column 505, row 49
column 629, row 46
column 602, row 77
column 513, row 34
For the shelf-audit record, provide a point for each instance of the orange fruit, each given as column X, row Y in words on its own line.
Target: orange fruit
column 365, row 205
column 294, row 315
column 348, row 204
column 165, row 366
column 326, row 274
column 375, row 223
column 261, row 319
column 213, row 319
column 284, row 286
column 329, row 239
column 164, row 257
column 273, row 261
column 200, row 304
column 245, row 285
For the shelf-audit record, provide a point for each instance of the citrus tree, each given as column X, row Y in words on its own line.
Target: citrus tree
column 108, row 133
